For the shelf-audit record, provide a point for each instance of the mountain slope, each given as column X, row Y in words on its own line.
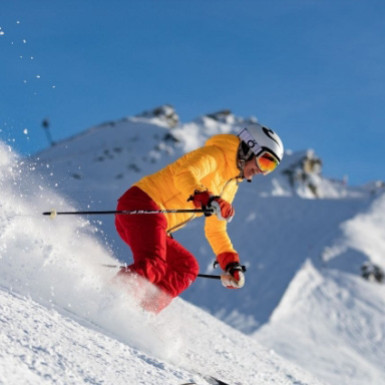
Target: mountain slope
column 331, row 313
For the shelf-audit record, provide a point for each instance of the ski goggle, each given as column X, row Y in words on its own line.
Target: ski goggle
column 266, row 162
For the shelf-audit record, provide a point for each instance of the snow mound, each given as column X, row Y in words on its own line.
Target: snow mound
column 337, row 320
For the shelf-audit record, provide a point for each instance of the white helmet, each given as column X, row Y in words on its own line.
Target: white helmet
column 260, row 138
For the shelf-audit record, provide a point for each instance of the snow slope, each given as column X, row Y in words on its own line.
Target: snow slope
column 336, row 319
column 49, row 346
column 65, row 321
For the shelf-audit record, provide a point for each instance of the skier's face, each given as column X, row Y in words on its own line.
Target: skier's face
column 251, row 169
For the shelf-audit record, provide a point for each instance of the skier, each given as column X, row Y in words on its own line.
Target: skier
column 206, row 178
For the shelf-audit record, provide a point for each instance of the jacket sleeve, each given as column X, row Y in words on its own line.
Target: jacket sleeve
column 216, row 234
column 216, row 229
column 194, row 166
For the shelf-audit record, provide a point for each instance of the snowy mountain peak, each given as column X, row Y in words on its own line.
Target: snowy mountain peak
column 165, row 114
column 122, row 150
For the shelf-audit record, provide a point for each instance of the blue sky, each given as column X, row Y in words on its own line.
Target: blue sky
column 313, row 70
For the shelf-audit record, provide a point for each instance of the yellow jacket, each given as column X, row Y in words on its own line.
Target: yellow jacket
column 212, row 167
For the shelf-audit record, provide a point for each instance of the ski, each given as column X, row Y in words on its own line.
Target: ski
column 214, row 381
column 209, row 379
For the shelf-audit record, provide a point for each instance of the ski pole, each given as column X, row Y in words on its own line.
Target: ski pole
column 210, row 276
column 199, row 275
column 54, row 213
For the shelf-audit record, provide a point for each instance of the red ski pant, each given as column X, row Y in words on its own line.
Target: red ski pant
column 157, row 257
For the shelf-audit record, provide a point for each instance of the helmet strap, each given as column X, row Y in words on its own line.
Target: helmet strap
column 244, row 154
column 241, row 165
